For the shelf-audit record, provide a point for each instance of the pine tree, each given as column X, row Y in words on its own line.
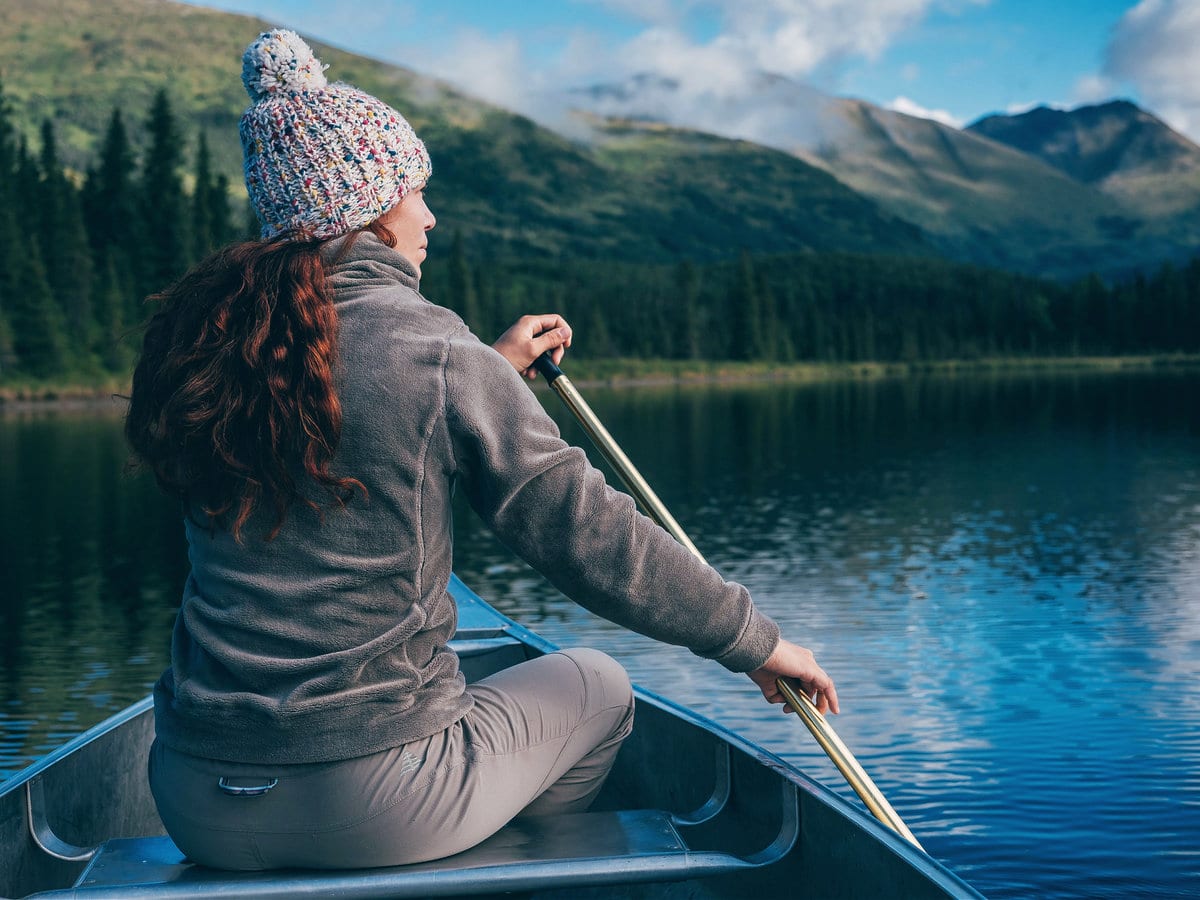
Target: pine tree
column 8, row 142
column 35, row 318
column 26, row 192
column 9, row 265
column 73, row 288
column 110, row 207
column 110, row 303
column 251, row 227
column 50, row 188
column 687, row 284
column 463, row 298
column 110, row 212
column 745, row 313
column 218, row 206
column 67, row 257
column 8, row 233
column 204, row 237
column 162, row 201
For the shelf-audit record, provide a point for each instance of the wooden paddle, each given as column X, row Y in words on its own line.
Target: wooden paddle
column 837, row 751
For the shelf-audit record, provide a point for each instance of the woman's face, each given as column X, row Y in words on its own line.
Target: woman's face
column 408, row 222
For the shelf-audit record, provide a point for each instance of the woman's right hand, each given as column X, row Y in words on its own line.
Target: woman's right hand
column 532, row 336
column 797, row 664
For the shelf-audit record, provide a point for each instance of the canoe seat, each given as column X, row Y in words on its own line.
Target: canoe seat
column 593, row 848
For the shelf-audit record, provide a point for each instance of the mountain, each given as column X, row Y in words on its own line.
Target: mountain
column 1126, row 152
column 977, row 198
column 1002, row 193
column 1109, row 189
column 512, row 187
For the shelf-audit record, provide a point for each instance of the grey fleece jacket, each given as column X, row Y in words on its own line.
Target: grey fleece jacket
column 329, row 642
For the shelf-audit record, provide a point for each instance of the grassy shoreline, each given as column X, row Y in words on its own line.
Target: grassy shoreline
column 28, row 393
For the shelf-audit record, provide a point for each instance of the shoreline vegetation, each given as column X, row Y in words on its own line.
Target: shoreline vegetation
column 62, row 394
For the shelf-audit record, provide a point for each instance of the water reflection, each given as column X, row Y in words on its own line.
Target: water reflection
column 92, row 563
column 1002, row 574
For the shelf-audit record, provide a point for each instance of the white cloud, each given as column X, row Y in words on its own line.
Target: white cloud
column 656, row 11
column 1153, row 48
column 911, row 108
column 1094, row 88
column 1016, row 109
column 492, row 68
column 744, row 78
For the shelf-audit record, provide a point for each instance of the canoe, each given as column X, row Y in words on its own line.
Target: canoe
column 690, row 810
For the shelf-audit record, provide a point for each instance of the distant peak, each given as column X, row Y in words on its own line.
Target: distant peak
column 1095, row 142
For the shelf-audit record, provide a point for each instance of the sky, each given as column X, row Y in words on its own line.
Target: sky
column 733, row 66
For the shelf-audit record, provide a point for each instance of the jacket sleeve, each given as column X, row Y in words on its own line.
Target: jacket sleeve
column 548, row 504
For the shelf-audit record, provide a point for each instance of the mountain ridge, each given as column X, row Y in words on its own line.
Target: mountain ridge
column 1125, row 151
column 509, row 185
column 977, row 196
column 637, row 188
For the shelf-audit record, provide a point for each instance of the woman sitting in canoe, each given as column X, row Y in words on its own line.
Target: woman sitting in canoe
column 313, row 412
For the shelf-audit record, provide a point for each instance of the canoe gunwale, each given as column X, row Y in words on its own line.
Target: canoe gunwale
column 58, row 754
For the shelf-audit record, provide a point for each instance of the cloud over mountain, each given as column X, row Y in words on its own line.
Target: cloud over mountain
column 725, row 66
column 1154, row 48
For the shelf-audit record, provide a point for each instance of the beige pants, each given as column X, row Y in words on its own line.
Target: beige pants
column 540, row 739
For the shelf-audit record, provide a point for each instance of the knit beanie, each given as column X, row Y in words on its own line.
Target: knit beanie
column 321, row 159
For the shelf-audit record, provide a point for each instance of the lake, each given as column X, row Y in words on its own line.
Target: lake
column 1001, row 572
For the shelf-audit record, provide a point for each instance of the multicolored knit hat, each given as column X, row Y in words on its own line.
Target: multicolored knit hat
column 320, row 159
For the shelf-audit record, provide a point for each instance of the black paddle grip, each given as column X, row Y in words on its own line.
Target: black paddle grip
column 545, row 365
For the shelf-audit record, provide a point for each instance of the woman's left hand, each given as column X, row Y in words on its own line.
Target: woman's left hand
column 532, row 336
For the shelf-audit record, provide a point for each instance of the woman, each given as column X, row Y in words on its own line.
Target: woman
column 313, row 412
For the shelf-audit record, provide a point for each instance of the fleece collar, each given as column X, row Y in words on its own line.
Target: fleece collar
column 368, row 252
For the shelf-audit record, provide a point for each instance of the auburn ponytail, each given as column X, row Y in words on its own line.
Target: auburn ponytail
column 233, row 396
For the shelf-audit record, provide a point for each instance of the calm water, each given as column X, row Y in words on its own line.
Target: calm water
column 1002, row 574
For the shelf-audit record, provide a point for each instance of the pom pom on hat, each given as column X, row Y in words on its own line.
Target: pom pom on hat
column 280, row 60
column 320, row 159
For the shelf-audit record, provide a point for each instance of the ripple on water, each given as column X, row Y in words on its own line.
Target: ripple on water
column 1003, row 576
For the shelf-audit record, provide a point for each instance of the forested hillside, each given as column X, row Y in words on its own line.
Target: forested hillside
column 77, row 261
column 513, row 188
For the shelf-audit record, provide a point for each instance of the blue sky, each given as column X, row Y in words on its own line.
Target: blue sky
column 949, row 59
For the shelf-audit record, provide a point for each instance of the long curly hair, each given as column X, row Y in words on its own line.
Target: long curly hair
column 233, row 396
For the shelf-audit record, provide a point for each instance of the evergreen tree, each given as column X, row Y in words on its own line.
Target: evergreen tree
column 67, row 258
column 164, row 246
column 463, row 298
column 745, row 313
column 110, row 211
column 110, row 303
column 9, row 266
column 9, row 233
column 8, row 142
column 251, row 227
column 35, row 319
column 51, row 187
column 26, row 193
column 110, row 207
column 73, row 287
column 218, row 205
column 774, row 343
column 210, row 205
column 687, row 287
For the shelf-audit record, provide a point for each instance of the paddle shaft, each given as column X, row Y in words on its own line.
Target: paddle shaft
column 821, row 730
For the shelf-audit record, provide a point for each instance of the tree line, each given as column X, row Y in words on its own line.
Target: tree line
column 828, row 307
column 80, row 252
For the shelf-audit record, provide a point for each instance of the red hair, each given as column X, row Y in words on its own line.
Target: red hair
column 234, row 394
